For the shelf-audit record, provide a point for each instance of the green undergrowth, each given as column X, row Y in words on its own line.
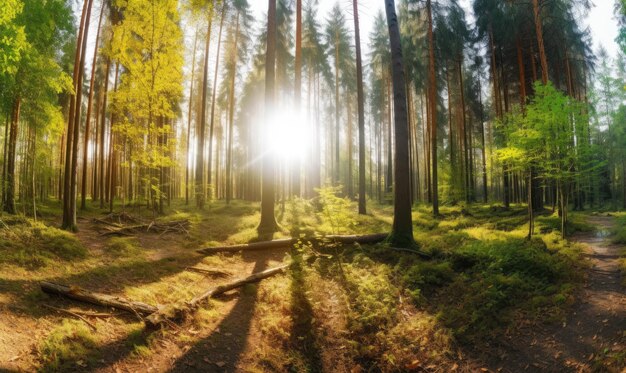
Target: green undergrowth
column 123, row 247
column 619, row 238
column 70, row 345
column 73, row 346
column 32, row 245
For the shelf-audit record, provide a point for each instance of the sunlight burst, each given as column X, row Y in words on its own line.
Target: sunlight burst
column 289, row 138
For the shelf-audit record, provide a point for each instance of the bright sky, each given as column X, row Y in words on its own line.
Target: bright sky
column 601, row 19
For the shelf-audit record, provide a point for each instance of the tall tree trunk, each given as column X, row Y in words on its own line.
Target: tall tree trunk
column 463, row 132
column 542, row 51
column 402, row 229
column 213, row 95
column 5, row 149
column 111, row 182
column 268, row 225
column 200, row 187
column 83, row 187
column 361, row 108
column 231, row 118
column 69, row 186
column 522, row 73
column 94, row 169
column 337, row 173
column 389, row 170
column 432, row 84
column 193, row 73
column 9, row 198
column 296, row 167
column 103, row 131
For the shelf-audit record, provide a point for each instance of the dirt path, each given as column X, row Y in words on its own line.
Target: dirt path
column 595, row 325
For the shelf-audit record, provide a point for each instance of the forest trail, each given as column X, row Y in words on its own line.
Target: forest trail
column 595, row 324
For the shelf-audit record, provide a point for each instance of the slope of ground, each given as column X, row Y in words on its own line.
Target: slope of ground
column 358, row 309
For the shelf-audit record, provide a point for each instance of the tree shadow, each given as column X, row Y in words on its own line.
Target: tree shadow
column 222, row 350
column 303, row 337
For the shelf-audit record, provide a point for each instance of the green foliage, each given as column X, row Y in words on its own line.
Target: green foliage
column 151, row 83
column 33, row 245
column 66, row 344
column 373, row 296
column 335, row 212
column 12, row 37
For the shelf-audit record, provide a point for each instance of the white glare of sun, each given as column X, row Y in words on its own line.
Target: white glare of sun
column 289, row 135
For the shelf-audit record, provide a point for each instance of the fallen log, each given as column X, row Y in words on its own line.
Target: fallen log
column 168, row 313
column 76, row 293
column 289, row 242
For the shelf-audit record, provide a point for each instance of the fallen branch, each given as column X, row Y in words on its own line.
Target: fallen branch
column 76, row 293
column 165, row 314
column 177, row 226
column 73, row 314
column 289, row 242
column 209, row 271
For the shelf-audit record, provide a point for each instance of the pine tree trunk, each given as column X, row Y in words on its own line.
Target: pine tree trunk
column 200, row 187
column 213, row 96
column 9, row 198
column 83, row 190
column 268, row 225
column 360, row 108
column 296, row 167
column 539, row 31
column 402, row 228
column 101, row 178
column 433, row 108
column 193, row 74
column 337, row 174
column 231, row 118
column 69, row 176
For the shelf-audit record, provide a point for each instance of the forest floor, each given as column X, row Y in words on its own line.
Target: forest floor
column 488, row 300
column 595, row 325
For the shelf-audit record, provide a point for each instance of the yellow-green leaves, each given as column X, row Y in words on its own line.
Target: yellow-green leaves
column 147, row 44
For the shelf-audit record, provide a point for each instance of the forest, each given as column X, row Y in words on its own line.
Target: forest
column 312, row 186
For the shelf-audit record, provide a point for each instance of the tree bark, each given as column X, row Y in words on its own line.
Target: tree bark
column 432, row 86
column 200, row 187
column 402, row 228
column 101, row 178
column 69, row 186
column 83, row 187
column 296, row 167
column 193, row 73
column 231, row 119
column 9, row 198
column 213, row 96
column 360, row 108
column 542, row 51
column 268, row 224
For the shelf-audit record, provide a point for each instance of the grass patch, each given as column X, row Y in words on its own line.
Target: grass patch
column 123, row 247
column 33, row 245
column 69, row 346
